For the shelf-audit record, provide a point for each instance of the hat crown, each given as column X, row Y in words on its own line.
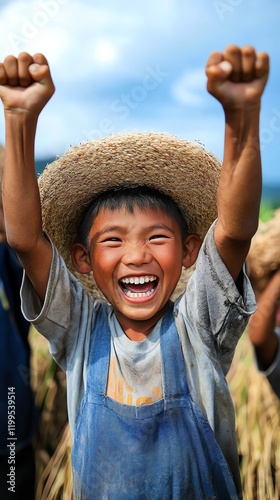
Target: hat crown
column 178, row 168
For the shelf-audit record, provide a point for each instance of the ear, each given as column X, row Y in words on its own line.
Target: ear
column 80, row 258
column 191, row 247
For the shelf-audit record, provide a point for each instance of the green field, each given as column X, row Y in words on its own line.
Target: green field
column 270, row 201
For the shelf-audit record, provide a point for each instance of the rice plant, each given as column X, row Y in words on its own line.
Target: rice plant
column 257, row 411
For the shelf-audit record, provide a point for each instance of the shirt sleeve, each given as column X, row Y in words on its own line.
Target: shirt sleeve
column 212, row 304
column 273, row 372
column 66, row 316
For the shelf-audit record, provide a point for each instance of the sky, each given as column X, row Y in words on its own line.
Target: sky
column 125, row 65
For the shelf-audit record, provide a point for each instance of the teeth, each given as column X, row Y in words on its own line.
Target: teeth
column 137, row 280
column 138, row 294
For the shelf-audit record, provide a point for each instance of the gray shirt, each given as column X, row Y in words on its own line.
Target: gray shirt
column 210, row 317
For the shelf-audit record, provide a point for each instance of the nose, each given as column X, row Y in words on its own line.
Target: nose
column 137, row 255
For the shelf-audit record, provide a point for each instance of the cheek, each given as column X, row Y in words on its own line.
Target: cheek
column 104, row 263
column 170, row 259
column 103, row 280
column 171, row 265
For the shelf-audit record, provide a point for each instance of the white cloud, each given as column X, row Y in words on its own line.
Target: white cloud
column 189, row 89
column 105, row 52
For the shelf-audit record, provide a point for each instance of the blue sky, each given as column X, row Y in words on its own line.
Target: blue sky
column 121, row 65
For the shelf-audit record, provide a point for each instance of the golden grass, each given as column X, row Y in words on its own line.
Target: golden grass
column 257, row 426
column 53, row 440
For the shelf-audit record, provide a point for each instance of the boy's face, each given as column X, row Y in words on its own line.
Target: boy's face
column 136, row 260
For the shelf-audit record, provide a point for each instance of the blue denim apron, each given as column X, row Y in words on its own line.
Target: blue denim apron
column 163, row 450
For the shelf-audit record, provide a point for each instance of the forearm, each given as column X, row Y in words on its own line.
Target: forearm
column 261, row 327
column 239, row 192
column 261, row 330
column 21, row 199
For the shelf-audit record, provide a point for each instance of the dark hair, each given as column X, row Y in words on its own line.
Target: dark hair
column 142, row 197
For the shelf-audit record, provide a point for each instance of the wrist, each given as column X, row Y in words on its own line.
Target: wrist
column 20, row 136
column 20, row 126
column 20, row 117
column 242, row 126
column 239, row 111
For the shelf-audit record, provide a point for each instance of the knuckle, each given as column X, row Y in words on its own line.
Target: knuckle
column 24, row 57
column 10, row 59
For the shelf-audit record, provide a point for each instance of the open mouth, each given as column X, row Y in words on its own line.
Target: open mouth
column 139, row 286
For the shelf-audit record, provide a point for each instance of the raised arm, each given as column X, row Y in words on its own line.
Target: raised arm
column 237, row 78
column 25, row 88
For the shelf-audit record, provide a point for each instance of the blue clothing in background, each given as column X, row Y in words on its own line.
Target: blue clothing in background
column 14, row 358
column 18, row 414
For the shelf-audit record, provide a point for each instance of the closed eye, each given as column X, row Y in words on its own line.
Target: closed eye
column 111, row 239
column 159, row 236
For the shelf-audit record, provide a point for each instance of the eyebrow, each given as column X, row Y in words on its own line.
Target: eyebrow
column 108, row 229
column 121, row 229
column 161, row 226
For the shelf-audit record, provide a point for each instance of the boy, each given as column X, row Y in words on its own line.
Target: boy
column 148, row 404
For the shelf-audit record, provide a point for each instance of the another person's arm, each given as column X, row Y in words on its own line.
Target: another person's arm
column 25, row 88
column 237, row 79
column 261, row 328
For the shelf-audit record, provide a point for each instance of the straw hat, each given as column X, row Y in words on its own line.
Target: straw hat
column 178, row 168
column 264, row 255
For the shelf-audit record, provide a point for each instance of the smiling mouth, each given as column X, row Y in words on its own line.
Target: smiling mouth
column 139, row 286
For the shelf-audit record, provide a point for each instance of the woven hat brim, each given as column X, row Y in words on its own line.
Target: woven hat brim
column 181, row 169
column 264, row 255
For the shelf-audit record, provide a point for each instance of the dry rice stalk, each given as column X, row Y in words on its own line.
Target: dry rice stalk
column 257, row 426
column 49, row 385
column 56, row 481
